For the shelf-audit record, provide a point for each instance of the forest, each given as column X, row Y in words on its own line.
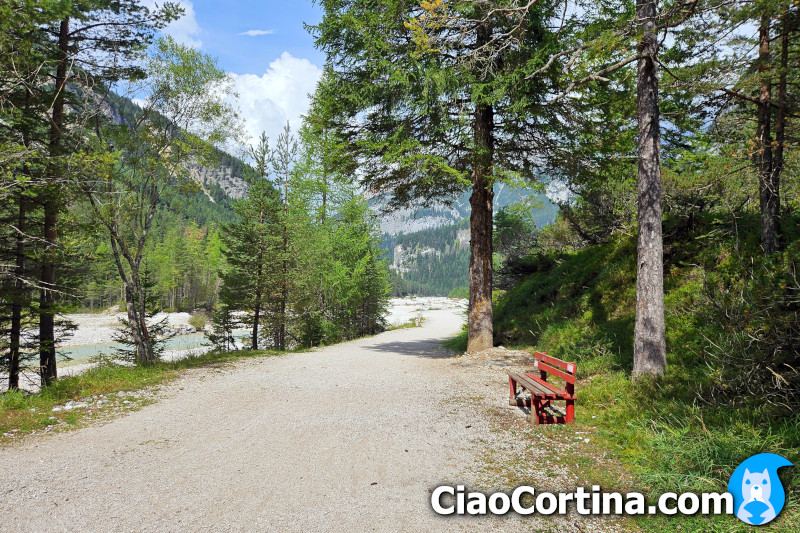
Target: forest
column 670, row 274
column 664, row 130
column 109, row 132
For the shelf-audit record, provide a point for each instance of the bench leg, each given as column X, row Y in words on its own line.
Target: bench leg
column 537, row 410
column 570, row 411
column 512, row 390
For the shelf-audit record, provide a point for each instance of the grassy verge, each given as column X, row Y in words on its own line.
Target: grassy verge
column 106, row 389
column 458, row 343
column 689, row 430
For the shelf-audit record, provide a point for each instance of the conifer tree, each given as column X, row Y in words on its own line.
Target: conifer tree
column 432, row 104
column 253, row 246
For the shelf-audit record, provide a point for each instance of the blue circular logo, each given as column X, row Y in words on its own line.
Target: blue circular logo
column 758, row 494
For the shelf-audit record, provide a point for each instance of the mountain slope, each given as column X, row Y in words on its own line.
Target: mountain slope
column 428, row 249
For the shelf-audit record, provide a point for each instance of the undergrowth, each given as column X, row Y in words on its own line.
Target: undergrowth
column 730, row 388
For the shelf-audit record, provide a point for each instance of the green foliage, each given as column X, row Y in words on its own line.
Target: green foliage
column 138, row 163
column 222, row 325
column 414, row 74
column 730, row 390
column 303, row 256
column 198, row 320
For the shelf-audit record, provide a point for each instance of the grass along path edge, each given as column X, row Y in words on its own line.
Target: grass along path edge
column 100, row 393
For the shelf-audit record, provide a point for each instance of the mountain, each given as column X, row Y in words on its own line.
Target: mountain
column 226, row 174
column 411, row 220
column 428, row 248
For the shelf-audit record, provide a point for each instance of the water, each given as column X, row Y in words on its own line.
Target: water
column 191, row 341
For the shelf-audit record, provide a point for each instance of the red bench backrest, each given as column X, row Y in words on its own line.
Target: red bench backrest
column 560, row 369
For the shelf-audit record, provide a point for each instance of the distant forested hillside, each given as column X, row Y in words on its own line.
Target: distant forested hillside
column 435, row 260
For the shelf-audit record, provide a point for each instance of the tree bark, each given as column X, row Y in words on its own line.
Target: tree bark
column 767, row 188
column 20, row 292
column 15, row 335
column 47, row 346
column 480, row 330
column 259, row 285
column 284, row 265
column 771, row 203
column 649, row 342
column 134, row 300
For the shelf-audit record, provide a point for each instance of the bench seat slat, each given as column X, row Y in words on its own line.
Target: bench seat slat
column 546, row 384
column 540, row 388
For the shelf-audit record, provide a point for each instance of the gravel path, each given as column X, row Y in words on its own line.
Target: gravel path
column 347, row 438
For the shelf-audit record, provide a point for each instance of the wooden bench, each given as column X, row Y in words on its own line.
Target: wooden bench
column 542, row 392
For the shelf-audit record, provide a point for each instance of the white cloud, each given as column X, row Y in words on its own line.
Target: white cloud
column 256, row 33
column 185, row 30
column 280, row 94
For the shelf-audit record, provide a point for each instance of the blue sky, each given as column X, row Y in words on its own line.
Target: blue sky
column 221, row 24
column 265, row 48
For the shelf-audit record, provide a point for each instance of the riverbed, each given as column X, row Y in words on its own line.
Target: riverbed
column 94, row 335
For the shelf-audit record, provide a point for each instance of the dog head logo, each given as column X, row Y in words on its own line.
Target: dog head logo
column 758, row 495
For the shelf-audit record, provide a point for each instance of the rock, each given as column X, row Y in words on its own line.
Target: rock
column 57, row 409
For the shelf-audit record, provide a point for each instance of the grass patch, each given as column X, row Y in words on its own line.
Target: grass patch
column 458, row 343
column 24, row 413
column 686, row 431
column 198, row 320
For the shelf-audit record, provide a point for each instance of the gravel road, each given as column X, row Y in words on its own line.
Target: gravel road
column 349, row 438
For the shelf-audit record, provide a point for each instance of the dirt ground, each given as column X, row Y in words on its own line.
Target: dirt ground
column 351, row 437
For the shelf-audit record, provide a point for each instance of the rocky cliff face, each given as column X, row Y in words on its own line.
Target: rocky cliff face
column 412, row 220
column 227, row 175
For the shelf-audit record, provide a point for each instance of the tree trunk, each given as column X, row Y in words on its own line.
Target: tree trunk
column 480, row 332
column 774, row 203
column 767, row 190
column 137, row 316
column 15, row 334
column 284, row 266
column 649, row 342
column 47, row 346
column 259, row 286
column 20, row 291
column 134, row 303
column 134, row 322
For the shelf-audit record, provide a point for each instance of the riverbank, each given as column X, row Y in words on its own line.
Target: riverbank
column 94, row 334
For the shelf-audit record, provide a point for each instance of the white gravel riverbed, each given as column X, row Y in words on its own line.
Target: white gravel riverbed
column 100, row 328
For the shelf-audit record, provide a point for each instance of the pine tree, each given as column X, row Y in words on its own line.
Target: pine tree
column 431, row 104
column 252, row 248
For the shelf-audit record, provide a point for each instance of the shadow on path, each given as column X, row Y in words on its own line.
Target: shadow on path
column 426, row 348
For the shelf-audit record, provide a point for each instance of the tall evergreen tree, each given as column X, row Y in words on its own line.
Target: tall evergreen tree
column 433, row 101
column 649, row 337
column 94, row 42
column 253, row 245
